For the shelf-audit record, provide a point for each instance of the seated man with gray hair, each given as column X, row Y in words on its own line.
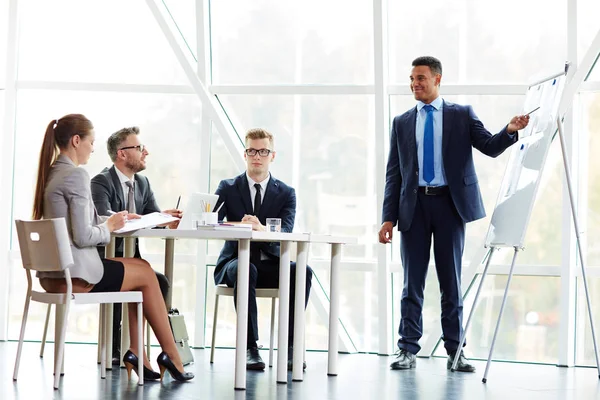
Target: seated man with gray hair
column 120, row 188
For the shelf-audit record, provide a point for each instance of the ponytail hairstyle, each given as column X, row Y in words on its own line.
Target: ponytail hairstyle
column 58, row 136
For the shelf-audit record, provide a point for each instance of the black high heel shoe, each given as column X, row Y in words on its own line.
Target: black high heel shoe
column 165, row 363
column 131, row 363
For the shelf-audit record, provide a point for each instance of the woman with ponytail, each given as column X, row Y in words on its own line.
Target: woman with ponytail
column 63, row 191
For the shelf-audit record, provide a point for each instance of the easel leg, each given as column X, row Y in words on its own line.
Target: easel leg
column 464, row 335
column 510, row 274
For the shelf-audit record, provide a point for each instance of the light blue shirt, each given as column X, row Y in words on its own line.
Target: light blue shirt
column 438, row 162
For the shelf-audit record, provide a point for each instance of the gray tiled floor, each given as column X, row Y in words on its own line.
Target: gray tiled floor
column 361, row 376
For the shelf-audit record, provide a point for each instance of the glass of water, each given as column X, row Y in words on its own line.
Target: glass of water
column 273, row 224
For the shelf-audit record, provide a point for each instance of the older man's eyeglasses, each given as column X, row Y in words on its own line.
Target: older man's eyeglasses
column 261, row 152
column 140, row 147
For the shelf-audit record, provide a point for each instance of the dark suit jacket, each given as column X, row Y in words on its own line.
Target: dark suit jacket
column 462, row 130
column 108, row 196
column 279, row 201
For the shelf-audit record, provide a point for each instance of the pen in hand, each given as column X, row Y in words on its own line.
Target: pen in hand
column 178, row 200
column 535, row 109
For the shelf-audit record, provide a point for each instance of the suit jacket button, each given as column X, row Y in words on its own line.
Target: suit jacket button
column 417, row 173
column 414, row 190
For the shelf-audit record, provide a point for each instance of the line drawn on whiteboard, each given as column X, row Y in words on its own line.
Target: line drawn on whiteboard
column 516, row 170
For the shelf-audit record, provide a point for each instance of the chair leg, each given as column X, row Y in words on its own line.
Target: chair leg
column 140, row 317
column 45, row 330
column 21, row 336
column 148, row 339
column 100, row 332
column 272, row 338
column 62, row 312
column 125, row 342
column 102, row 341
column 214, row 330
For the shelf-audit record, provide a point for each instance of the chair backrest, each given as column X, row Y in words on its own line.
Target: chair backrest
column 45, row 244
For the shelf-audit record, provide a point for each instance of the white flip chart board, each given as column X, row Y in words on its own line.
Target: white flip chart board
column 525, row 165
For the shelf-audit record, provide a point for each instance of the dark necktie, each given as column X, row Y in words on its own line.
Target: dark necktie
column 131, row 197
column 257, row 199
column 428, row 163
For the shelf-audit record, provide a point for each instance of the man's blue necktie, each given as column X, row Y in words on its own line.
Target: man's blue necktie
column 428, row 167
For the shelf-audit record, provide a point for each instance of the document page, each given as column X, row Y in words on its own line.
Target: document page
column 147, row 221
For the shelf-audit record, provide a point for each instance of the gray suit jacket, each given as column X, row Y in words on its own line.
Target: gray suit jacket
column 68, row 196
column 108, row 196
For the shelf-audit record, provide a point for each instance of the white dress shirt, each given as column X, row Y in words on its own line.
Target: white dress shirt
column 263, row 188
column 124, row 179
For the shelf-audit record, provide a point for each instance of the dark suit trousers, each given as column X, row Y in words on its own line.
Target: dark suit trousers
column 264, row 274
column 435, row 216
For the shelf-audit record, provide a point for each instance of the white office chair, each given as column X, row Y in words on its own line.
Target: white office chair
column 45, row 246
column 223, row 290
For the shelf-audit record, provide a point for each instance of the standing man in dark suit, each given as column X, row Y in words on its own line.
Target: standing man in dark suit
column 431, row 190
column 112, row 190
column 252, row 197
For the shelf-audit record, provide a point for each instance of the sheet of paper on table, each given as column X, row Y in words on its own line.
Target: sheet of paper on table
column 147, row 221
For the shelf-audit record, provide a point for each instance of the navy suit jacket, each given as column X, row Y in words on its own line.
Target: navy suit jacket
column 108, row 196
column 462, row 131
column 279, row 201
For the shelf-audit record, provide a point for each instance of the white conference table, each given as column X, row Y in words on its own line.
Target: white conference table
column 244, row 237
column 336, row 243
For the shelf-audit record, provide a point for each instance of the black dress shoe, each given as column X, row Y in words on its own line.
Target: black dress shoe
column 404, row 360
column 253, row 360
column 291, row 360
column 462, row 365
column 116, row 357
column 131, row 363
column 165, row 364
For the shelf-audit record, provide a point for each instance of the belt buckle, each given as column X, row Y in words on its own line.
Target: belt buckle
column 427, row 193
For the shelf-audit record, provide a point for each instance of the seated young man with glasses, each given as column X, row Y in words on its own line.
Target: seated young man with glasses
column 120, row 188
column 252, row 197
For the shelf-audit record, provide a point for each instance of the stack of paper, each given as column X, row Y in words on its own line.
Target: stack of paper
column 226, row 227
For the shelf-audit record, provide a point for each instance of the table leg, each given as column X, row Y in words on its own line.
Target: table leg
column 169, row 259
column 243, row 280
column 299, row 316
column 284, row 311
column 334, row 309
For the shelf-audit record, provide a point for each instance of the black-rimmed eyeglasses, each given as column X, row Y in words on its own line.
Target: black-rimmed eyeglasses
column 261, row 152
column 140, row 147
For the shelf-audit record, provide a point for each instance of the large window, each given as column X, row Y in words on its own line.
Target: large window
column 529, row 329
column 279, row 42
column 3, row 42
column 479, row 41
column 89, row 41
column 587, row 27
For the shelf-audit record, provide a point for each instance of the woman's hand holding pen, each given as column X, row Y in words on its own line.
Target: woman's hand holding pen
column 116, row 221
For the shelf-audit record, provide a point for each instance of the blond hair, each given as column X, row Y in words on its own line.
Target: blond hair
column 259, row 133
